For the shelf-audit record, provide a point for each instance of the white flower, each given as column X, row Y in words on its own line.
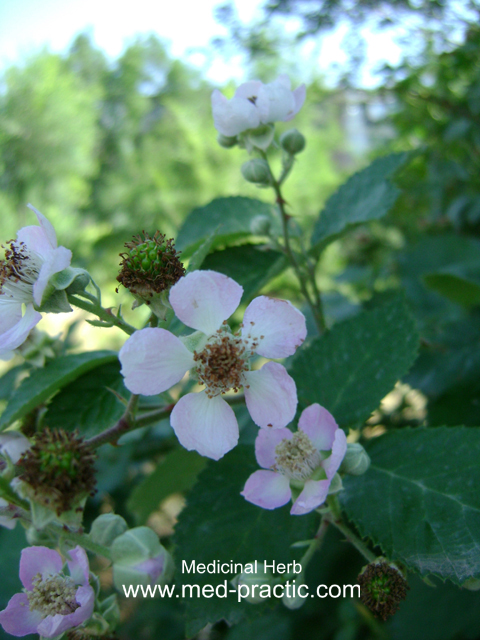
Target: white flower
column 30, row 261
column 255, row 103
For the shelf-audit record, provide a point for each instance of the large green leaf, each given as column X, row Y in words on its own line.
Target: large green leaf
column 232, row 217
column 176, row 473
column 367, row 195
column 350, row 369
column 219, row 524
column 43, row 383
column 420, row 501
column 460, row 283
column 99, row 407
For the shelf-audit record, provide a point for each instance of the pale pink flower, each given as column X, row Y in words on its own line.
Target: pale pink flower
column 31, row 260
column 305, row 461
column 51, row 601
column 153, row 360
column 255, row 103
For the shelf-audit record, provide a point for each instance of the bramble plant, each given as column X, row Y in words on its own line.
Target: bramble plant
column 198, row 380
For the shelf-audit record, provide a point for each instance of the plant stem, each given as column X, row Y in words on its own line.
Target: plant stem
column 316, row 543
column 118, row 429
column 336, row 519
column 81, row 539
column 104, row 314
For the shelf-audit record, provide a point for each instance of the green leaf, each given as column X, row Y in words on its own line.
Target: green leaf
column 232, row 216
column 420, row 501
column 350, row 369
column 367, row 195
column 248, row 265
column 99, row 407
column 201, row 253
column 219, row 524
column 460, row 283
column 177, row 473
column 43, row 383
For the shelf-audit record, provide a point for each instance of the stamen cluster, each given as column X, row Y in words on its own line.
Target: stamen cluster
column 150, row 265
column 52, row 595
column 18, row 271
column 383, row 587
column 296, row 458
column 59, row 468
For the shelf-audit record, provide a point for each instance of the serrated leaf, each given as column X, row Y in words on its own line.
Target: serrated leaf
column 201, row 253
column 367, row 195
column 420, row 501
column 232, row 216
column 350, row 369
column 219, row 524
column 43, row 383
column 99, row 407
column 176, row 473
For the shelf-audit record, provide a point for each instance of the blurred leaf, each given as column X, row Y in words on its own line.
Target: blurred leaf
column 232, row 216
column 367, row 195
column 248, row 265
column 98, row 409
column 43, row 383
column 459, row 283
column 219, row 524
column 352, row 367
column 8, row 381
column 176, row 474
column 201, row 253
column 420, row 501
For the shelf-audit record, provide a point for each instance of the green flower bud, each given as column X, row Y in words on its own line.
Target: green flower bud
column 257, row 171
column 106, row 528
column 227, row 142
column 291, row 597
column 292, row 141
column 356, row 461
column 472, row 584
column 259, row 578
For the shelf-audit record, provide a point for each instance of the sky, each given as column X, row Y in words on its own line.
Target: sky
column 187, row 25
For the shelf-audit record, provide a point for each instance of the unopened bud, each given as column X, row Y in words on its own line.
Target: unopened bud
column 227, row 142
column 292, row 141
column 253, row 583
column 257, row 171
column 383, row 587
column 356, row 461
column 291, row 597
column 106, row 528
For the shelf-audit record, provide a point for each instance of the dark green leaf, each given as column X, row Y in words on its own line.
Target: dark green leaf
column 201, row 253
column 420, row 501
column 219, row 524
column 350, row 369
column 43, row 383
column 459, row 283
column 176, row 473
column 367, row 195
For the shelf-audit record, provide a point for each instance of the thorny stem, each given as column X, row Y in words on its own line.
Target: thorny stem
column 104, row 314
column 118, row 429
column 336, row 519
column 316, row 543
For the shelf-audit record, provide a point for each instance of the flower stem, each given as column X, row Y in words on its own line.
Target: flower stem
column 336, row 519
column 316, row 543
column 104, row 314
column 79, row 538
column 122, row 426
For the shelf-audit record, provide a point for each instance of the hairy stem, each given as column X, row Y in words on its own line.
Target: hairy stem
column 104, row 314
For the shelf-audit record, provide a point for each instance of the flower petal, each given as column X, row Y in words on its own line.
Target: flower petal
column 231, row 117
column 153, row 360
column 299, row 96
column 265, row 443
column 78, row 565
column 207, row 425
column 270, row 395
column 46, row 226
column 18, row 333
column 13, row 444
column 17, row 619
column 267, row 489
column 275, row 325
column 319, row 425
column 314, row 494
column 10, row 313
column 281, row 100
column 204, row 299
column 53, row 626
column 332, row 463
column 42, row 560
column 56, row 260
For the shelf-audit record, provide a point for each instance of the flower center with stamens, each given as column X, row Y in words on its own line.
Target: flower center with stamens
column 52, row 595
column 296, row 458
column 19, row 272
column 222, row 363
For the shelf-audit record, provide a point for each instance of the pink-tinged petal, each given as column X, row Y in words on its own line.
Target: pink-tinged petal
column 270, row 396
column 13, row 444
column 16, row 335
column 207, row 425
column 314, row 494
column 153, row 567
column 204, row 299
column 53, row 626
column 299, row 96
column 46, row 225
column 265, row 445
column 319, row 425
column 10, row 313
column 35, row 240
column 153, row 360
column 78, row 565
column 249, row 90
column 38, row 560
column 17, row 619
column 267, row 489
column 57, row 260
column 275, row 325
column 333, row 462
